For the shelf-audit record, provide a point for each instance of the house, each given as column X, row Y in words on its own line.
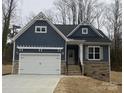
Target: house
column 42, row 47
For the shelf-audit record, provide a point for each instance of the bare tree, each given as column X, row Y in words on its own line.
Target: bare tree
column 79, row 11
column 89, row 11
column 68, row 10
column 113, row 21
column 61, row 6
column 8, row 9
column 99, row 16
column 8, row 15
column 73, row 7
column 50, row 15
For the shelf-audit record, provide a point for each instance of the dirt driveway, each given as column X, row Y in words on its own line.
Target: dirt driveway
column 81, row 84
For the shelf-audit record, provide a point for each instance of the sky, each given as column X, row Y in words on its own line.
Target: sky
column 29, row 7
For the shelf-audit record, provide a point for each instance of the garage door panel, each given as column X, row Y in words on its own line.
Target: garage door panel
column 45, row 63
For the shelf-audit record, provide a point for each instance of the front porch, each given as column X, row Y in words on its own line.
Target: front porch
column 78, row 61
column 74, row 58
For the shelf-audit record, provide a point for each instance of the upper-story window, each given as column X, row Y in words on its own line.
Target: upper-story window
column 84, row 30
column 41, row 29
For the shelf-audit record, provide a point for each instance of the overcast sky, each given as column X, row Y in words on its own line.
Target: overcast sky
column 27, row 7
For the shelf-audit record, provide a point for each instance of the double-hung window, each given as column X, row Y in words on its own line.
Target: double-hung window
column 93, row 52
column 40, row 29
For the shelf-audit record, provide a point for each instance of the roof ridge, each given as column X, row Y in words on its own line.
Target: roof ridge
column 66, row 24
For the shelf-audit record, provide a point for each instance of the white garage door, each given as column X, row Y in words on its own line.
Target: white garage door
column 39, row 63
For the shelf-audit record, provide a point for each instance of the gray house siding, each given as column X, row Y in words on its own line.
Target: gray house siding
column 105, row 53
column 78, row 33
column 49, row 39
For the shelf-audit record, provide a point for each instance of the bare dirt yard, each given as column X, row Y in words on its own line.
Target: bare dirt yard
column 82, row 84
column 6, row 69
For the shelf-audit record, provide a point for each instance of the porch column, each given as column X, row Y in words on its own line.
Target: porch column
column 81, row 53
column 109, row 63
column 81, row 57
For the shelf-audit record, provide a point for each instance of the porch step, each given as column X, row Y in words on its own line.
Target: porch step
column 73, row 70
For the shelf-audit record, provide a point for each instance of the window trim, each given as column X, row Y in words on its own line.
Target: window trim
column 94, row 52
column 86, row 30
column 40, row 29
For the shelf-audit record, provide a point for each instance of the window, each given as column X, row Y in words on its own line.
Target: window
column 84, row 30
column 40, row 29
column 93, row 52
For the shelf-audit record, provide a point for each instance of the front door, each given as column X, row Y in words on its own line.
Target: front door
column 71, row 56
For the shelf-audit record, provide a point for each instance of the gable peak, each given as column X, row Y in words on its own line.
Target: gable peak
column 41, row 15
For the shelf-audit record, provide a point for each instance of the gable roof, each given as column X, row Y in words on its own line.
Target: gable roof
column 94, row 29
column 40, row 16
column 66, row 29
column 63, row 30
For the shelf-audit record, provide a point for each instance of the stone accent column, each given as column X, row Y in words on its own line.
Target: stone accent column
column 15, row 67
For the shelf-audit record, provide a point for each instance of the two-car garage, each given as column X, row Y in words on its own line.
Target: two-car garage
column 39, row 63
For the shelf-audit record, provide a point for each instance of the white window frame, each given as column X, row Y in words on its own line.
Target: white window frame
column 85, row 29
column 40, row 29
column 94, row 52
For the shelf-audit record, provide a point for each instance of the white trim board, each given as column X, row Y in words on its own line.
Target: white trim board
column 40, row 16
column 97, row 43
column 40, row 27
column 52, row 48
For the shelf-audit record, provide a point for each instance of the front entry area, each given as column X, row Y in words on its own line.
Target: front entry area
column 39, row 63
column 72, row 54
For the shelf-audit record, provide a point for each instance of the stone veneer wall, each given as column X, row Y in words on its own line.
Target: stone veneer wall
column 63, row 67
column 97, row 70
column 15, row 67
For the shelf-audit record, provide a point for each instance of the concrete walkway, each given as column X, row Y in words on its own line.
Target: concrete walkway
column 29, row 83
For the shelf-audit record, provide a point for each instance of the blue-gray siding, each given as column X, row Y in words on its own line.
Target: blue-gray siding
column 49, row 39
column 105, row 53
column 78, row 33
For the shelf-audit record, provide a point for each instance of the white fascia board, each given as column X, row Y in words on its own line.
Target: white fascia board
column 73, row 30
column 23, row 29
column 76, row 40
column 28, row 25
column 96, row 30
column 52, row 48
column 97, row 43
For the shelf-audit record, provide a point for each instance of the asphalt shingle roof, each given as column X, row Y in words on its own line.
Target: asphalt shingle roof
column 66, row 29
